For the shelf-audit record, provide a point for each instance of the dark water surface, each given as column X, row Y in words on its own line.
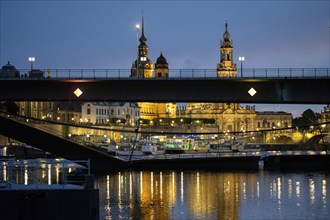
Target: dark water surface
column 214, row 195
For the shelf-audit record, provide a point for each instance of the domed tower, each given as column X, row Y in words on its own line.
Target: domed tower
column 9, row 71
column 226, row 67
column 161, row 67
column 142, row 67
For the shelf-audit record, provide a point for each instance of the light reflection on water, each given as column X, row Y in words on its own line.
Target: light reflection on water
column 35, row 171
column 214, row 195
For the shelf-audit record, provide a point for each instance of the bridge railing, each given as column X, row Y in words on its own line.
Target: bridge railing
column 285, row 72
column 173, row 73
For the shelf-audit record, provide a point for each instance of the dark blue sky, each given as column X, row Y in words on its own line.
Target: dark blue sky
column 101, row 34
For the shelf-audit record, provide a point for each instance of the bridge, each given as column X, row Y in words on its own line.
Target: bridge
column 307, row 138
column 285, row 86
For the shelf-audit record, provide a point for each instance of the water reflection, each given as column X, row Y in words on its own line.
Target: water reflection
column 35, row 171
column 213, row 195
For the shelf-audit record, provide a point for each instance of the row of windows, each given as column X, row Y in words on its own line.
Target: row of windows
column 267, row 124
column 112, row 112
column 102, row 111
column 101, row 121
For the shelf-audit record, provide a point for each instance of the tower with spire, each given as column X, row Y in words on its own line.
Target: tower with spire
column 226, row 67
column 142, row 67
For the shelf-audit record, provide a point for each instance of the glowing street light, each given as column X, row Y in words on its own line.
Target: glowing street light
column 32, row 59
column 241, row 59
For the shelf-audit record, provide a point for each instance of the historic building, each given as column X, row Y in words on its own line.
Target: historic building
column 325, row 116
column 229, row 117
column 68, row 111
column 41, row 110
column 272, row 120
column 225, row 117
column 226, row 67
column 232, row 117
column 161, row 67
column 105, row 113
column 142, row 67
column 9, row 71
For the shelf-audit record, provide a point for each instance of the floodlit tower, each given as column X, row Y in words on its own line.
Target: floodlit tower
column 142, row 67
column 226, row 67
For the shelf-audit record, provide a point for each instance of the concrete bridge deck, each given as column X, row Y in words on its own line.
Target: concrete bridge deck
column 268, row 90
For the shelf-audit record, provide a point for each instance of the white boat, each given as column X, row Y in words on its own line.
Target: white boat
column 235, row 146
column 151, row 149
column 174, row 148
column 216, row 148
column 129, row 152
column 111, row 149
column 238, row 145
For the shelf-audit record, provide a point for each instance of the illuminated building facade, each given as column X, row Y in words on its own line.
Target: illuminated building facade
column 270, row 119
column 68, row 111
column 325, row 116
column 229, row 117
column 102, row 113
column 41, row 110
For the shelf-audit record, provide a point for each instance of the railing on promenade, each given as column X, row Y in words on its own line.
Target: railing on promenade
column 173, row 73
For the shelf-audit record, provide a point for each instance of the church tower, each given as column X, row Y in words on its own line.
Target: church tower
column 230, row 117
column 142, row 67
column 226, row 67
column 161, row 67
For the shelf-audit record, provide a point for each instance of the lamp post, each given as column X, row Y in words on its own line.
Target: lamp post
column 241, row 59
column 137, row 26
column 32, row 59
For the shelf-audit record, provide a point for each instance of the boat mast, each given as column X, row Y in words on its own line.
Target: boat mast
column 135, row 140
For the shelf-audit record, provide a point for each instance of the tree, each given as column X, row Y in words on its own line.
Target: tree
column 9, row 107
column 308, row 117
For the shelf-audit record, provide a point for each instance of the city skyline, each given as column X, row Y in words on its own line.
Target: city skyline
column 102, row 34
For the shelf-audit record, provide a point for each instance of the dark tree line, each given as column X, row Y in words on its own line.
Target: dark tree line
column 308, row 117
column 10, row 107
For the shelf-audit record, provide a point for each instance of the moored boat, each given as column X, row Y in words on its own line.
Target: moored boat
column 216, row 148
column 129, row 152
column 151, row 149
column 174, row 148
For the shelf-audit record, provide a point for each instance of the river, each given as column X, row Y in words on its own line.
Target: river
column 214, row 195
column 193, row 194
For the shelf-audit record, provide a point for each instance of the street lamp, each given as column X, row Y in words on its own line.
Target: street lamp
column 241, row 59
column 32, row 59
column 137, row 26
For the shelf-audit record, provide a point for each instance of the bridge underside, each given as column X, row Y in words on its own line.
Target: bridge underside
column 292, row 90
column 100, row 162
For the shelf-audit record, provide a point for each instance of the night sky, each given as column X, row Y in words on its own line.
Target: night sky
column 102, row 34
